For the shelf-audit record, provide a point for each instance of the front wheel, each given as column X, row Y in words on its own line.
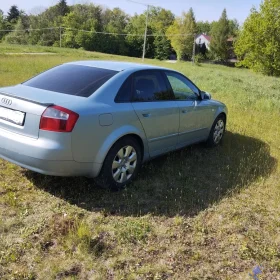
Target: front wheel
column 121, row 164
column 217, row 131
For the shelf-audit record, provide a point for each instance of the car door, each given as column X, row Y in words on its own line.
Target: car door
column 194, row 112
column 156, row 109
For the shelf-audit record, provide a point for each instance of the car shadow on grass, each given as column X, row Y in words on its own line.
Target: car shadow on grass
column 180, row 183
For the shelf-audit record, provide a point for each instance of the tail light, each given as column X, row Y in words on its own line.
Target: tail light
column 58, row 119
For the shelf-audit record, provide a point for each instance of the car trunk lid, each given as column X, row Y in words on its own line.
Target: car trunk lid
column 21, row 108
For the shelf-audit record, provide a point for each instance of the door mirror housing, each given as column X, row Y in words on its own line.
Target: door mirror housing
column 205, row 95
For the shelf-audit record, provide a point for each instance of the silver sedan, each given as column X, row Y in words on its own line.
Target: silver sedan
column 104, row 119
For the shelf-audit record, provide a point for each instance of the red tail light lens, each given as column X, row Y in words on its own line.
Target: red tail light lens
column 58, row 119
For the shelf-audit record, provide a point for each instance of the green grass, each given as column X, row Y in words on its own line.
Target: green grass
column 197, row 213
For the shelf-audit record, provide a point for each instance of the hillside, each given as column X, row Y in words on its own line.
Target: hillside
column 197, row 213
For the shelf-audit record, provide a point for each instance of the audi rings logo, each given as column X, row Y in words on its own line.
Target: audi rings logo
column 6, row 101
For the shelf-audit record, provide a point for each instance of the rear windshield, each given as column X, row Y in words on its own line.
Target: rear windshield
column 72, row 79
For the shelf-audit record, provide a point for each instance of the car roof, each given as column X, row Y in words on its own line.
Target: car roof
column 114, row 65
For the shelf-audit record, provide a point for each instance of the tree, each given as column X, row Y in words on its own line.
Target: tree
column 18, row 36
column 181, row 34
column 190, row 29
column 176, row 42
column 94, row 28
column 203, row 27
column 233, row 27
column 13, row 14
column 44, row 33
column 259, row 42
column 25, row 19
column 162, row 47
column 219, row 35
column 136, row 27
column 2, row 24
column 160, row 19
column 116, row 21
column 62, row 7
column 81, row 25
column 80, row 18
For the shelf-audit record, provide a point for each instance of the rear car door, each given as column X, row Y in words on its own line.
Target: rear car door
column 156, row 109
column 193, row 112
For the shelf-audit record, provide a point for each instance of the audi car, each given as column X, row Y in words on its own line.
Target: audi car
column 103, row 119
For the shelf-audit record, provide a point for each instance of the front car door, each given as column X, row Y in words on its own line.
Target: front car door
column 194, row 112
column 157, row 110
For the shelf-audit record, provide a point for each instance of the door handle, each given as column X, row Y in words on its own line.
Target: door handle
column 146, row 115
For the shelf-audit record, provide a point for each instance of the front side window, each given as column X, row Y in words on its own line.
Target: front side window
column 149, row 86
column 183, row 89
column 72, row 79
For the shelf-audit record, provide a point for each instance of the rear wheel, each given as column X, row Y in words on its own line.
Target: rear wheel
column 217, row 131
column 121, row 164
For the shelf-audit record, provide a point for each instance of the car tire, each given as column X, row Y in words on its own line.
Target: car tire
column 217, row 131
column 121, row 164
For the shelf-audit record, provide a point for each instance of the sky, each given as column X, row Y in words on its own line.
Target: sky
column 204, row 9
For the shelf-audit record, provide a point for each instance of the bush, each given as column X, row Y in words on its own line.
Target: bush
column 198, row 59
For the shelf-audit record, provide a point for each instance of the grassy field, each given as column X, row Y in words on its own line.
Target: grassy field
column 198, row 213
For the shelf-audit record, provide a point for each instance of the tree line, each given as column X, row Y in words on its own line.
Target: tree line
column 258, row 44
column 95, row 28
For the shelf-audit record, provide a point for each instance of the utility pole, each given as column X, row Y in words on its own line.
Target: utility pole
column 60, row 36
column 193, row 56
column 145, row 36
column 146, row 28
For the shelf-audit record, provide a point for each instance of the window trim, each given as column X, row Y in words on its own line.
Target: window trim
column 197, row 94
column 160, row 72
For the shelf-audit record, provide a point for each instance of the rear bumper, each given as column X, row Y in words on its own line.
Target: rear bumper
column 52, row 167
column 46, row 156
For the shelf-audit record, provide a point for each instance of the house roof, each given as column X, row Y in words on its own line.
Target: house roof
column 208, row 38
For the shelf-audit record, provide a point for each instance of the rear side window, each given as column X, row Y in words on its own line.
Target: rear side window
column 124, row 94
column 149, row 86
column 72, row 79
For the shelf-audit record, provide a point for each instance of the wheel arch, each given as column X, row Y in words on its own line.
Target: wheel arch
column 117, row 135
column 224, row 115
column 221, row 111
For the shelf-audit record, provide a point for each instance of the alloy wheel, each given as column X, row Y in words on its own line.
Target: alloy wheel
column 124, row 164
column 219, row 131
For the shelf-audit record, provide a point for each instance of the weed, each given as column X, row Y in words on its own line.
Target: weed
column 131, row 230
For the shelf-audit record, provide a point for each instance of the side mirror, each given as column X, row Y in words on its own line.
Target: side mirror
column 205, row 95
